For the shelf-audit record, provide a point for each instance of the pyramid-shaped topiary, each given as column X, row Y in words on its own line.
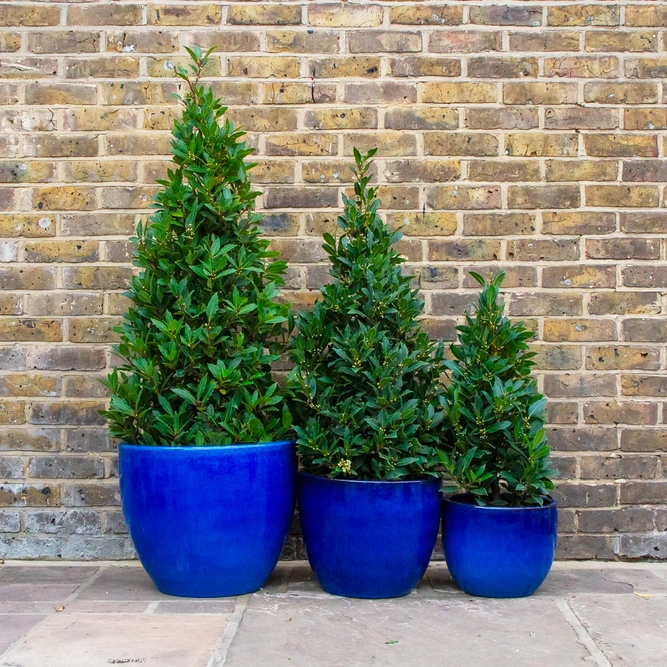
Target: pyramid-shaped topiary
column 366, row 376
column 204, row 327
column 495, row 446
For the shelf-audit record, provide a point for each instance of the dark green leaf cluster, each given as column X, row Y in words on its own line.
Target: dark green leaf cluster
column 204, row 327
column 495, row 446
column 366, row 380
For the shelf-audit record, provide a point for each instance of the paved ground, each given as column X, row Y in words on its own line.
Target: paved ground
column 83, row 615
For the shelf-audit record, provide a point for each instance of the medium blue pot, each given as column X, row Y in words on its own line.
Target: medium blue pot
column 368, row 539
column 208, row 521
column 498, row 552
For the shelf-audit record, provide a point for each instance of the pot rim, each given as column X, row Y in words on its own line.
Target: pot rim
column 455, row 500
column 206, row 448
column 338, row 480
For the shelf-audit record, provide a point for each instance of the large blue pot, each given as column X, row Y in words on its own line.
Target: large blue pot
column 208, row 521
column 369, row 539
column 498, row 552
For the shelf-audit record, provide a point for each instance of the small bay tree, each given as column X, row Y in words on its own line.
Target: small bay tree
column 204, row 325
column 366, row 377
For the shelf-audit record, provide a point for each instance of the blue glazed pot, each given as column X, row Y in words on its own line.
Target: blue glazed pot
column 208, row 521
column 498, row 552
column 368, row 539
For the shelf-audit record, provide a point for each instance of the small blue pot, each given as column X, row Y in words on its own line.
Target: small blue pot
column 208, row 521
column 498, row 552
column 368, row 539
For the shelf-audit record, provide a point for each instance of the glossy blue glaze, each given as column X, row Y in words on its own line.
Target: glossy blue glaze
column 498, row 552
column 368, row 539
column 208, row 521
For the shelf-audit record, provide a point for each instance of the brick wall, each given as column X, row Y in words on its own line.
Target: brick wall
column 526, row 136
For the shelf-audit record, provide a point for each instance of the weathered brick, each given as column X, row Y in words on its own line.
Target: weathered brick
column 264, row 14
column 579, row 276
column 263, row 67
column 616, row 40
column 644, row 385
column 646, row 15
column 389, row 143
column 427, row 224
column 66, row 467
column 540, row 250
column 114, row 67
column 465, row 249
column 311, row 41
column 344, row 15
column 186, row 14
column 644, row 440
column 539, row 93
column 273, row 171
column 411, row 66
column 61, row 146
column 388, row 92
column 343, row 66
column 154, row 41
column 543, row 196
column 464, row 41
column 575, row 222
column 426, row 15
column 642, row 493
column 583, row 15
column 620, row 93
column 501, row 119
column 544, row 40
column 624, row 519
column 29, row 495
column 617, row 248
column 70, row 522
column 646, row 331
column 288, row 93
column 622, row 357
column 100, row 14
column 536, row 303
column 137, row 92
column 506, row 15
column 32, row 171
column 621, row 196
column 300, row 197
column 460, row 143
column 70, row 412
column 61, row 41
column 504, row 170
column 619, row 145
column 20, row 384
column 463, row 197
column 581, row 170
column 373, row 41
column 624, row 303
column 421, row 118
column 582, row 67
column 459, row 93
column 579, row 330
column 561, row 412
column 28, row 15
column 96, row 277
column 533, row 144
column 613, row 412
column 580, row 118
column 573, row 385
column 586, row 495
column 431, row 171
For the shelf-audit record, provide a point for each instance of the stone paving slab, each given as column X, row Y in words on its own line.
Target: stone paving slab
column 629, row 631
column 599, row 614
column 300, row 631
column 73, row 640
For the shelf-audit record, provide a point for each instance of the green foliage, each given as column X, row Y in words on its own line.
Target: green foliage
column 496, row 446
column 366, row 377
column 204, row 326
